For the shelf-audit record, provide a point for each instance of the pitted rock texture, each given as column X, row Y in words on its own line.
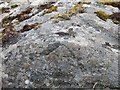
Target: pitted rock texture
column 70, row 47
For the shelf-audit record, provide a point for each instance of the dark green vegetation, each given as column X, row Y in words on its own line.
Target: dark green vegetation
column 74, row 10
column 115, row 17
column 14, row 6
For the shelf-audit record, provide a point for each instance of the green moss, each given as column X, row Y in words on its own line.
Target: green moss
column 14, row 6
column 66, row 16
column 115, row 17
column 1, row 35
column 102, row 15
column 5, row 21
column 1, row 2
column 5, row 9
column 51, row 9
column 77, row 8
column 84, row 2
column 9, row 31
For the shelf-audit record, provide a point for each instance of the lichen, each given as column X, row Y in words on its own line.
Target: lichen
column 23, row 15
column 76, row 9
column 5, row 10
column 28, row 27
column 61, row 17
column 51, row 9
column 1, row 35
column 102, row 15
column 7, row 34
column 66, row 15
column 81, row 2
column 9, row 31
column 6, row 21
column 115, row 17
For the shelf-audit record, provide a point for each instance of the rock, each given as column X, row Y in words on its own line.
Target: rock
column 71, row 50
column 27, row 82
column 113, row 75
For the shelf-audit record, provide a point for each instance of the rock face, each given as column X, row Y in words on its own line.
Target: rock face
column 59, row 45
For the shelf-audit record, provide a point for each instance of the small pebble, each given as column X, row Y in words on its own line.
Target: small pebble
column 27, row 82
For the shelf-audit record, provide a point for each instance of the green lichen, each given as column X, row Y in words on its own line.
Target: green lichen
column 5, row 10
column 5, row 21
column 74, row 10
column 1, row 35
column 84, row 2
column 115, row 17
column 9, row 31
column 7, row 34
column 51, row 9
column 102, row 15
column 62, row 16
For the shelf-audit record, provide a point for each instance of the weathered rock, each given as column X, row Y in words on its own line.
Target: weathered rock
column 67, row 53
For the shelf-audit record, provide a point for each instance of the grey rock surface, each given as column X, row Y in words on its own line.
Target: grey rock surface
column 52, row 56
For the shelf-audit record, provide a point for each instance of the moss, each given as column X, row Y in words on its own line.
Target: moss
column 66, row 16
column 23, row 15
column 77, row 8
column 84, row 2
column 114, row 4
column 5, row 10
column 14, row 6
column 62, row 16
column 1, row 35
column 27, row 11
column 6, row 21
column 51, row 9
column 28, row 27
column 102, row 15
column 7, row 34
column 1, row 2
column 9, row 31
column 115, row 17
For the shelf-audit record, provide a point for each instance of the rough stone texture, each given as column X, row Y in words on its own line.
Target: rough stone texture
column 77, row 59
